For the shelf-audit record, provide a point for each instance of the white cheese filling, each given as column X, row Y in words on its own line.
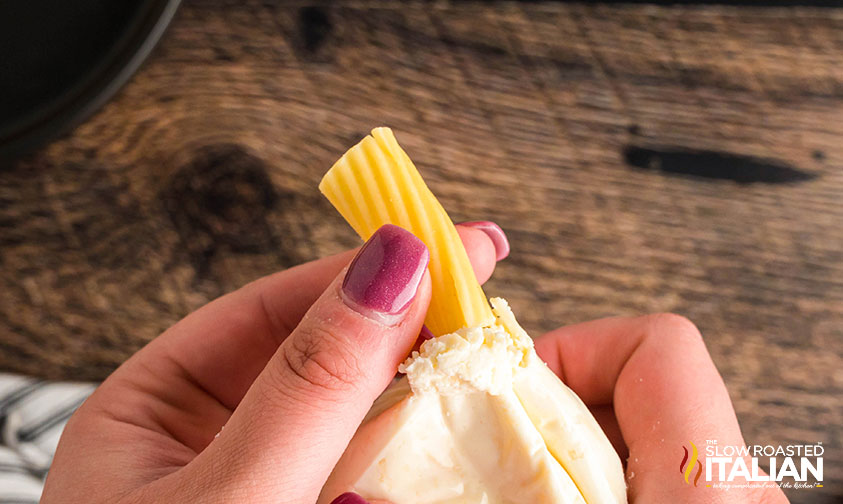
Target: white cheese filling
column 473, row 359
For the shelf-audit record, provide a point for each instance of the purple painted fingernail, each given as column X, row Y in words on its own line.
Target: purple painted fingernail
column 425, row 334
column 385, row 275
column 349, row 498
column 494, row 232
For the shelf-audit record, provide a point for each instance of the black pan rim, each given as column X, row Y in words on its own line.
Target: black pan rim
column 111, row 75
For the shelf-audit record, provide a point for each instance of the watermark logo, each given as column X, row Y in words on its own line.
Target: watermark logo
column 686, row 467
column 731, row 466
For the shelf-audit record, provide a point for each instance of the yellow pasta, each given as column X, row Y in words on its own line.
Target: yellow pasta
column 375, row 183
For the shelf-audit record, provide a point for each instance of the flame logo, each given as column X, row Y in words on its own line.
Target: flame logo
column 686, row 469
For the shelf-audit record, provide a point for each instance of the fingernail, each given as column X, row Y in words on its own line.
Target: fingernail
column 349, row 498
column 494, row 232
column 385, row 275
column 425, row 334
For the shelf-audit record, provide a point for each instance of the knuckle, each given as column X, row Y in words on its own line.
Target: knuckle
column 673, row 325
column 319, row 358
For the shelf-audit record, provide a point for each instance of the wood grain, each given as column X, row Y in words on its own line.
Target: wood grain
column 201, row 175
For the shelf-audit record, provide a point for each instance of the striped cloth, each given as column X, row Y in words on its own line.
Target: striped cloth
column 33, row 414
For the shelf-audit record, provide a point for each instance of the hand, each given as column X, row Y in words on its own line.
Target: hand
column 289, row 364
column 291, row 389
column 651, row 384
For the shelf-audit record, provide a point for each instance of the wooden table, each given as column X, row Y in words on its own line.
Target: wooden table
column 641, row 159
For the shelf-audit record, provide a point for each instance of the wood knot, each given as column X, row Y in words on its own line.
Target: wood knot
column 222, row 197
column 314, row 27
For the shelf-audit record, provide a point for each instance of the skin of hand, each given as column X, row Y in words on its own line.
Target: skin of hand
column 291, row 363
column 653, row 387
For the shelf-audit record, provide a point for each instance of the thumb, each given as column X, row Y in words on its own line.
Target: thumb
column 295, row 421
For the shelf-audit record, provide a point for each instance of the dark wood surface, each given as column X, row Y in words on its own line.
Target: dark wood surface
column 641, row 159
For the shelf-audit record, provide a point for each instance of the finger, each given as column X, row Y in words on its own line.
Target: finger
column 482, row 249
column 664, row 387
column 224, row 345
column 297, row 418
column 289, row 294
column 495, row 233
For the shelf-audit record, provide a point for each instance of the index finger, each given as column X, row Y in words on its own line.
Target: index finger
column 665, row 389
